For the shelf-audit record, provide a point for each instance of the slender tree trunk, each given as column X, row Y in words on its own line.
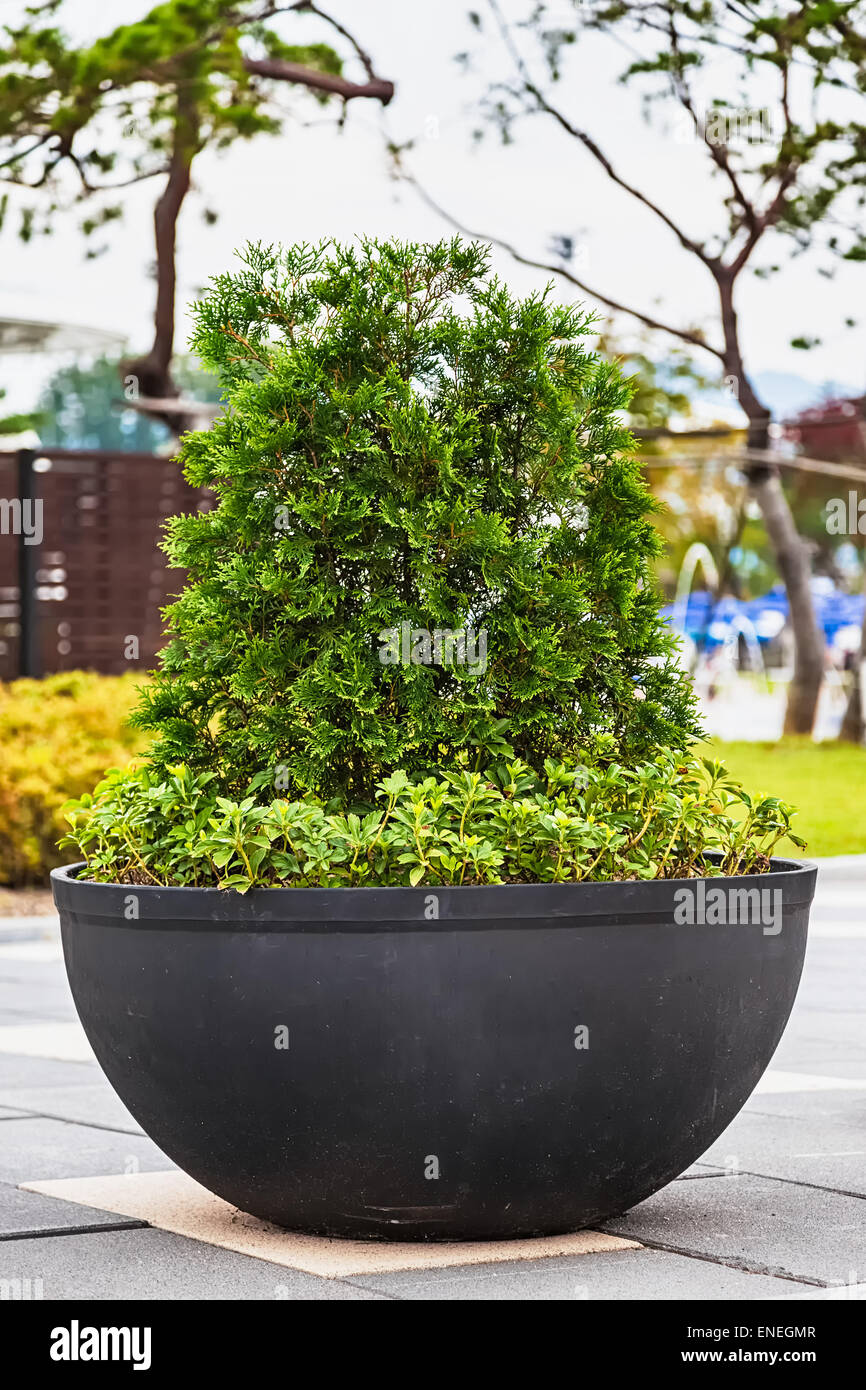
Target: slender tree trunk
column 789, row 550
column 853, row 728
column 153, row 371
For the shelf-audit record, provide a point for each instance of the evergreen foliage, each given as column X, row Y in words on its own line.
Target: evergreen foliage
column 407, row 443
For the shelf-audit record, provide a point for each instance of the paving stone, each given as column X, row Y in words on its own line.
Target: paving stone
column 823, row 1045
column 832, row 961
column 845, row 1293
column 13, row 928
column 88, row 1105
column 34, row 986
column 148, row 1264
column 63, row 1040
column 173, row 1201
column 775, row 1227
column 53, row 1148
column 626, row 1275
column 32, row 1213
column 701, row 1170
column 21, row 964
column 22, row 1072
column 835, row 1106
column 817, row 1138
column 16, row 1008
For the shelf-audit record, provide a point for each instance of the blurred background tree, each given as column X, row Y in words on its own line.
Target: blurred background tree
column 752, row 84
column 78, row 125
column 17, row 424
column 82, row 407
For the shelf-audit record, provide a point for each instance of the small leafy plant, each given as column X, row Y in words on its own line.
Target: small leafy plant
column 658, row 819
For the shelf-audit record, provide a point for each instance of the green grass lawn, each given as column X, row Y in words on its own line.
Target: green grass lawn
column 825, row 781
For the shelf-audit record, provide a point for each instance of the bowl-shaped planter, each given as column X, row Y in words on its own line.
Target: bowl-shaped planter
column 468, row 1063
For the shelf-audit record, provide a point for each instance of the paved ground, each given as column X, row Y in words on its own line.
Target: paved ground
column 775, row 1210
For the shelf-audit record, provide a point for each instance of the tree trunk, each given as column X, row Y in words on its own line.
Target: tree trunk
column 793, row 561
column 853, row 728
column 152, row 372
column 789, row 550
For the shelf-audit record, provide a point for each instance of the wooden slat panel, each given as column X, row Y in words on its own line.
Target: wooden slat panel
column 101, row 575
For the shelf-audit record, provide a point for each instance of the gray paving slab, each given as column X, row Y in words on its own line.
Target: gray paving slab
column 44, row 927
column 21, row 1072
column 816, row 1138
column 33, row 1214
column 18, row 967
column 835, row 1106
column 841, row 866
column 827, row 976
column 150, row 1264
column 7, row 1114
column 42, row 1149
column 626, row 1274
column 88, row 1105
column 762, row 1224
column 818, row 1023
column 854, row 1293
column 23, row 1004
column 822, row 1056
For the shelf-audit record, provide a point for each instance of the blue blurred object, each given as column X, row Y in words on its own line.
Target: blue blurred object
column 712, row 625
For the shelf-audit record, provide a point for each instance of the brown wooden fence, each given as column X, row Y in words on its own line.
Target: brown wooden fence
column 97, row 578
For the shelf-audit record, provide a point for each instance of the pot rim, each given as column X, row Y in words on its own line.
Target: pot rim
column 617, row 901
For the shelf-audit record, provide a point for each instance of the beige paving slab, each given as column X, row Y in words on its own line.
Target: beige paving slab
column 172, row 1201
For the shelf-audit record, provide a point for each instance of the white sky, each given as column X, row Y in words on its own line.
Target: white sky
column 318, row 182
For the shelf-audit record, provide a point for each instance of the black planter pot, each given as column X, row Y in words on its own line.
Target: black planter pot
column 475, row 1063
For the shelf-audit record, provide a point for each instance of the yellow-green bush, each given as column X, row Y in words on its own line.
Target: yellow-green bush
column 57, row 736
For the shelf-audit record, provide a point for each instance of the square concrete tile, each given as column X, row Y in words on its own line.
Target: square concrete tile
column 32, row 1214
column 38, row 1148
column 819, row 1140
column 86, row 1105
column 17, row 1072
column 174, row 1202
column 777, row 1081
column 18, row 1005
column 811, row 1106
column 618, row 1275
column 63, row 1041
column 148, row 1264
column 845, row 1293
column 32, row 986
column 760, row 1224
column 832, row 1053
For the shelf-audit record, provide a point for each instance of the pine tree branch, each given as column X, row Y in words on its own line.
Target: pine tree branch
column 281, row 71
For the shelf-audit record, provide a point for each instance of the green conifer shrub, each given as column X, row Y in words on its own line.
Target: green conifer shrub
column 407, row 451
column 419, row 642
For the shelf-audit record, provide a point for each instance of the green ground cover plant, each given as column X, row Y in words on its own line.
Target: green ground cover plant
column 657, row 820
